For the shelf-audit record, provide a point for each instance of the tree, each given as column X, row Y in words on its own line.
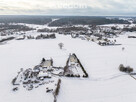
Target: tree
column 60, row 45
column 123, row 48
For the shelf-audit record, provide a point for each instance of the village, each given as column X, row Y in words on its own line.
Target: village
column 100, row 34
column 52, row 76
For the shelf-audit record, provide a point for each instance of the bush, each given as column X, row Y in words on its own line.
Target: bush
column 68, row 75
column 15, row 89
column 127, row 69
column 121, row 67
column 72, row 75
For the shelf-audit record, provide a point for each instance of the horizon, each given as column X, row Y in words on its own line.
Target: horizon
column 73, row 15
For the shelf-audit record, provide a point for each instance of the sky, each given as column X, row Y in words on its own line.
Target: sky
column 68, row 7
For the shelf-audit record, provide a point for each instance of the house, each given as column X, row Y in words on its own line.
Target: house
column 46, row 63
column 74, row 67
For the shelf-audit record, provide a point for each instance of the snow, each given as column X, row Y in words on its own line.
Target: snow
column 120, row 89
column 105, row 82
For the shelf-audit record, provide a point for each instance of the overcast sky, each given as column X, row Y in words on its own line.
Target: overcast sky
column 68, row 7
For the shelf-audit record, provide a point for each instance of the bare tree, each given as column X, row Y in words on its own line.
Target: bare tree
column 61, row 45
column 123, row 48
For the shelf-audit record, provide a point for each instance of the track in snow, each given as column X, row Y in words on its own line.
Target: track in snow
column 109, row 77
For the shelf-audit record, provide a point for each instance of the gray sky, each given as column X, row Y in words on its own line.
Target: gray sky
column 68, row 7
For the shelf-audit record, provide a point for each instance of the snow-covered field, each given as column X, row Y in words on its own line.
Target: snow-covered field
column 105, row 82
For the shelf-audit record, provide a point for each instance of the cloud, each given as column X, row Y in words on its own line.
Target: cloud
column 68, row 7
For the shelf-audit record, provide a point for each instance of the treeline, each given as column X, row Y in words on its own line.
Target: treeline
column 6, row 39
column 69, row 29
column 87, row 21
column 63, row 20
column 130, row 29
column 25, row 19
column 46, row 30
column 15, row 27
